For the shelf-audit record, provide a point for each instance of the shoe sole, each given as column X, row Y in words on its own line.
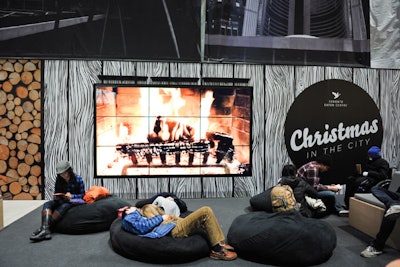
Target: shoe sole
column 371, row 256
column 393, row 216
column 47, row 237
column 224, row 259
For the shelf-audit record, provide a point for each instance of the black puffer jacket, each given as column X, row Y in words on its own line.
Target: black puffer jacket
column 378, row 169
column 300, row 189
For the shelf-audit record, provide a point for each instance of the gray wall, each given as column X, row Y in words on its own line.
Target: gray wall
column 69, row 123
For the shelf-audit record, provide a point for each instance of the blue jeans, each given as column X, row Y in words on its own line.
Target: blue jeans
column 330, row 201
column 388, row 198
column 59, row 205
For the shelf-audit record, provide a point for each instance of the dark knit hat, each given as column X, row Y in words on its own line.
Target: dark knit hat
column 374, row 152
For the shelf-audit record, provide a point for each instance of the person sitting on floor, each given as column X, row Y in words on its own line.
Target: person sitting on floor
column 151, row 221
column 376, row 169
column 69, row 186
column 392, row 203
column 310, row 173
column 301, row 189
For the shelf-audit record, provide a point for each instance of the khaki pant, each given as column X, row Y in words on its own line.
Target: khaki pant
column 201, row 218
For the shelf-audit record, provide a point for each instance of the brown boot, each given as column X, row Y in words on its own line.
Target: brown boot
column 44, row 233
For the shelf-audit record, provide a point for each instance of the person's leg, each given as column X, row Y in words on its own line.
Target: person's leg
column 351, row 188
column 204, row 218
column 201, row 218
column 330, row 201
column 48, row 207
column 59, row 212
column 385, row 196
column 390, row 199
column 385, row 230
column 376, row 246
column 44, row 233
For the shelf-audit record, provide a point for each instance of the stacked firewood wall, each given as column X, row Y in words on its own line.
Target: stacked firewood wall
column 20, row 129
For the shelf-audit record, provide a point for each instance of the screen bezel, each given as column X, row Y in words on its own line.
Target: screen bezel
column 244, row 172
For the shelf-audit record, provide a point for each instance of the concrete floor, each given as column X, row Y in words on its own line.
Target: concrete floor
column 15, row 209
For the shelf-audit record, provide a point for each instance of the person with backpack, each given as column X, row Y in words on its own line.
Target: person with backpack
column 310, row 172
column 301, row 189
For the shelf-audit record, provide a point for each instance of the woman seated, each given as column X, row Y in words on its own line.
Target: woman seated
column 152, row 222
column 68, row 187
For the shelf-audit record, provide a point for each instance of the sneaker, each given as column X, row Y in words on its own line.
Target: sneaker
column 393, row 212
column 370, row 252
column 343, row 213
column 224, row 254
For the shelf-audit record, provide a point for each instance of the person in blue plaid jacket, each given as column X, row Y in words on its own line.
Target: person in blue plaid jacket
column 68, row 188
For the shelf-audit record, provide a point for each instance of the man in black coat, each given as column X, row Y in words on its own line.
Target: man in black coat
column 376, row 169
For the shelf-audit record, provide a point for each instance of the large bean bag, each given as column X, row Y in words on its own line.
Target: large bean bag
column 262, row 201
column 283, row 239
column 90, row 218
column 162, row 250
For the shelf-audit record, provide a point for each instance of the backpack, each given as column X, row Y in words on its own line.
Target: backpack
column 283, row 199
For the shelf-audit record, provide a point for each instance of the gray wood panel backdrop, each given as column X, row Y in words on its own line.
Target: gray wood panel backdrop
column 68, row 119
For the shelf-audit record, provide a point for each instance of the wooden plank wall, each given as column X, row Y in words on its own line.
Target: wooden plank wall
column 69, row 122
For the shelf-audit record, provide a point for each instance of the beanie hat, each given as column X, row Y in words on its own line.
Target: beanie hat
column 62, row 166
column 374, row 152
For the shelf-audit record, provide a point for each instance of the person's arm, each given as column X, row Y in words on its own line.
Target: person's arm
column 135, row 223
column 333, row 188
column 310, row 191
column 313, row 178
column 381, row 173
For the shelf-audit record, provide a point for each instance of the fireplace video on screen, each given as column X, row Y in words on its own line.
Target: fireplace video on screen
column 144, row 131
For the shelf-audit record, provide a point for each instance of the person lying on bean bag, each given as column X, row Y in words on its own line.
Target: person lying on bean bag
column 152, row 222
column 181, row 204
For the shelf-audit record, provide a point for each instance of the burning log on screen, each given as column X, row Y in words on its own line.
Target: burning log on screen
column 149, row 150
column 225, row 149
column 167, row 130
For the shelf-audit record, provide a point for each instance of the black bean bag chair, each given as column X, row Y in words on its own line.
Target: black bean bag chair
column 262, row 201
column 181, row 204
column 283, row 239
column 164, row 250
column 90, row 218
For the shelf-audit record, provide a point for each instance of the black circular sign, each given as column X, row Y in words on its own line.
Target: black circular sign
column 333, row 117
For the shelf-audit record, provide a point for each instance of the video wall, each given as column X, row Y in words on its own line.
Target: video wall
column 172, row 131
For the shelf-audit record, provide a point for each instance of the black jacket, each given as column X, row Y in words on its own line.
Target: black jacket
column 300, row 189
column 378, row 169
